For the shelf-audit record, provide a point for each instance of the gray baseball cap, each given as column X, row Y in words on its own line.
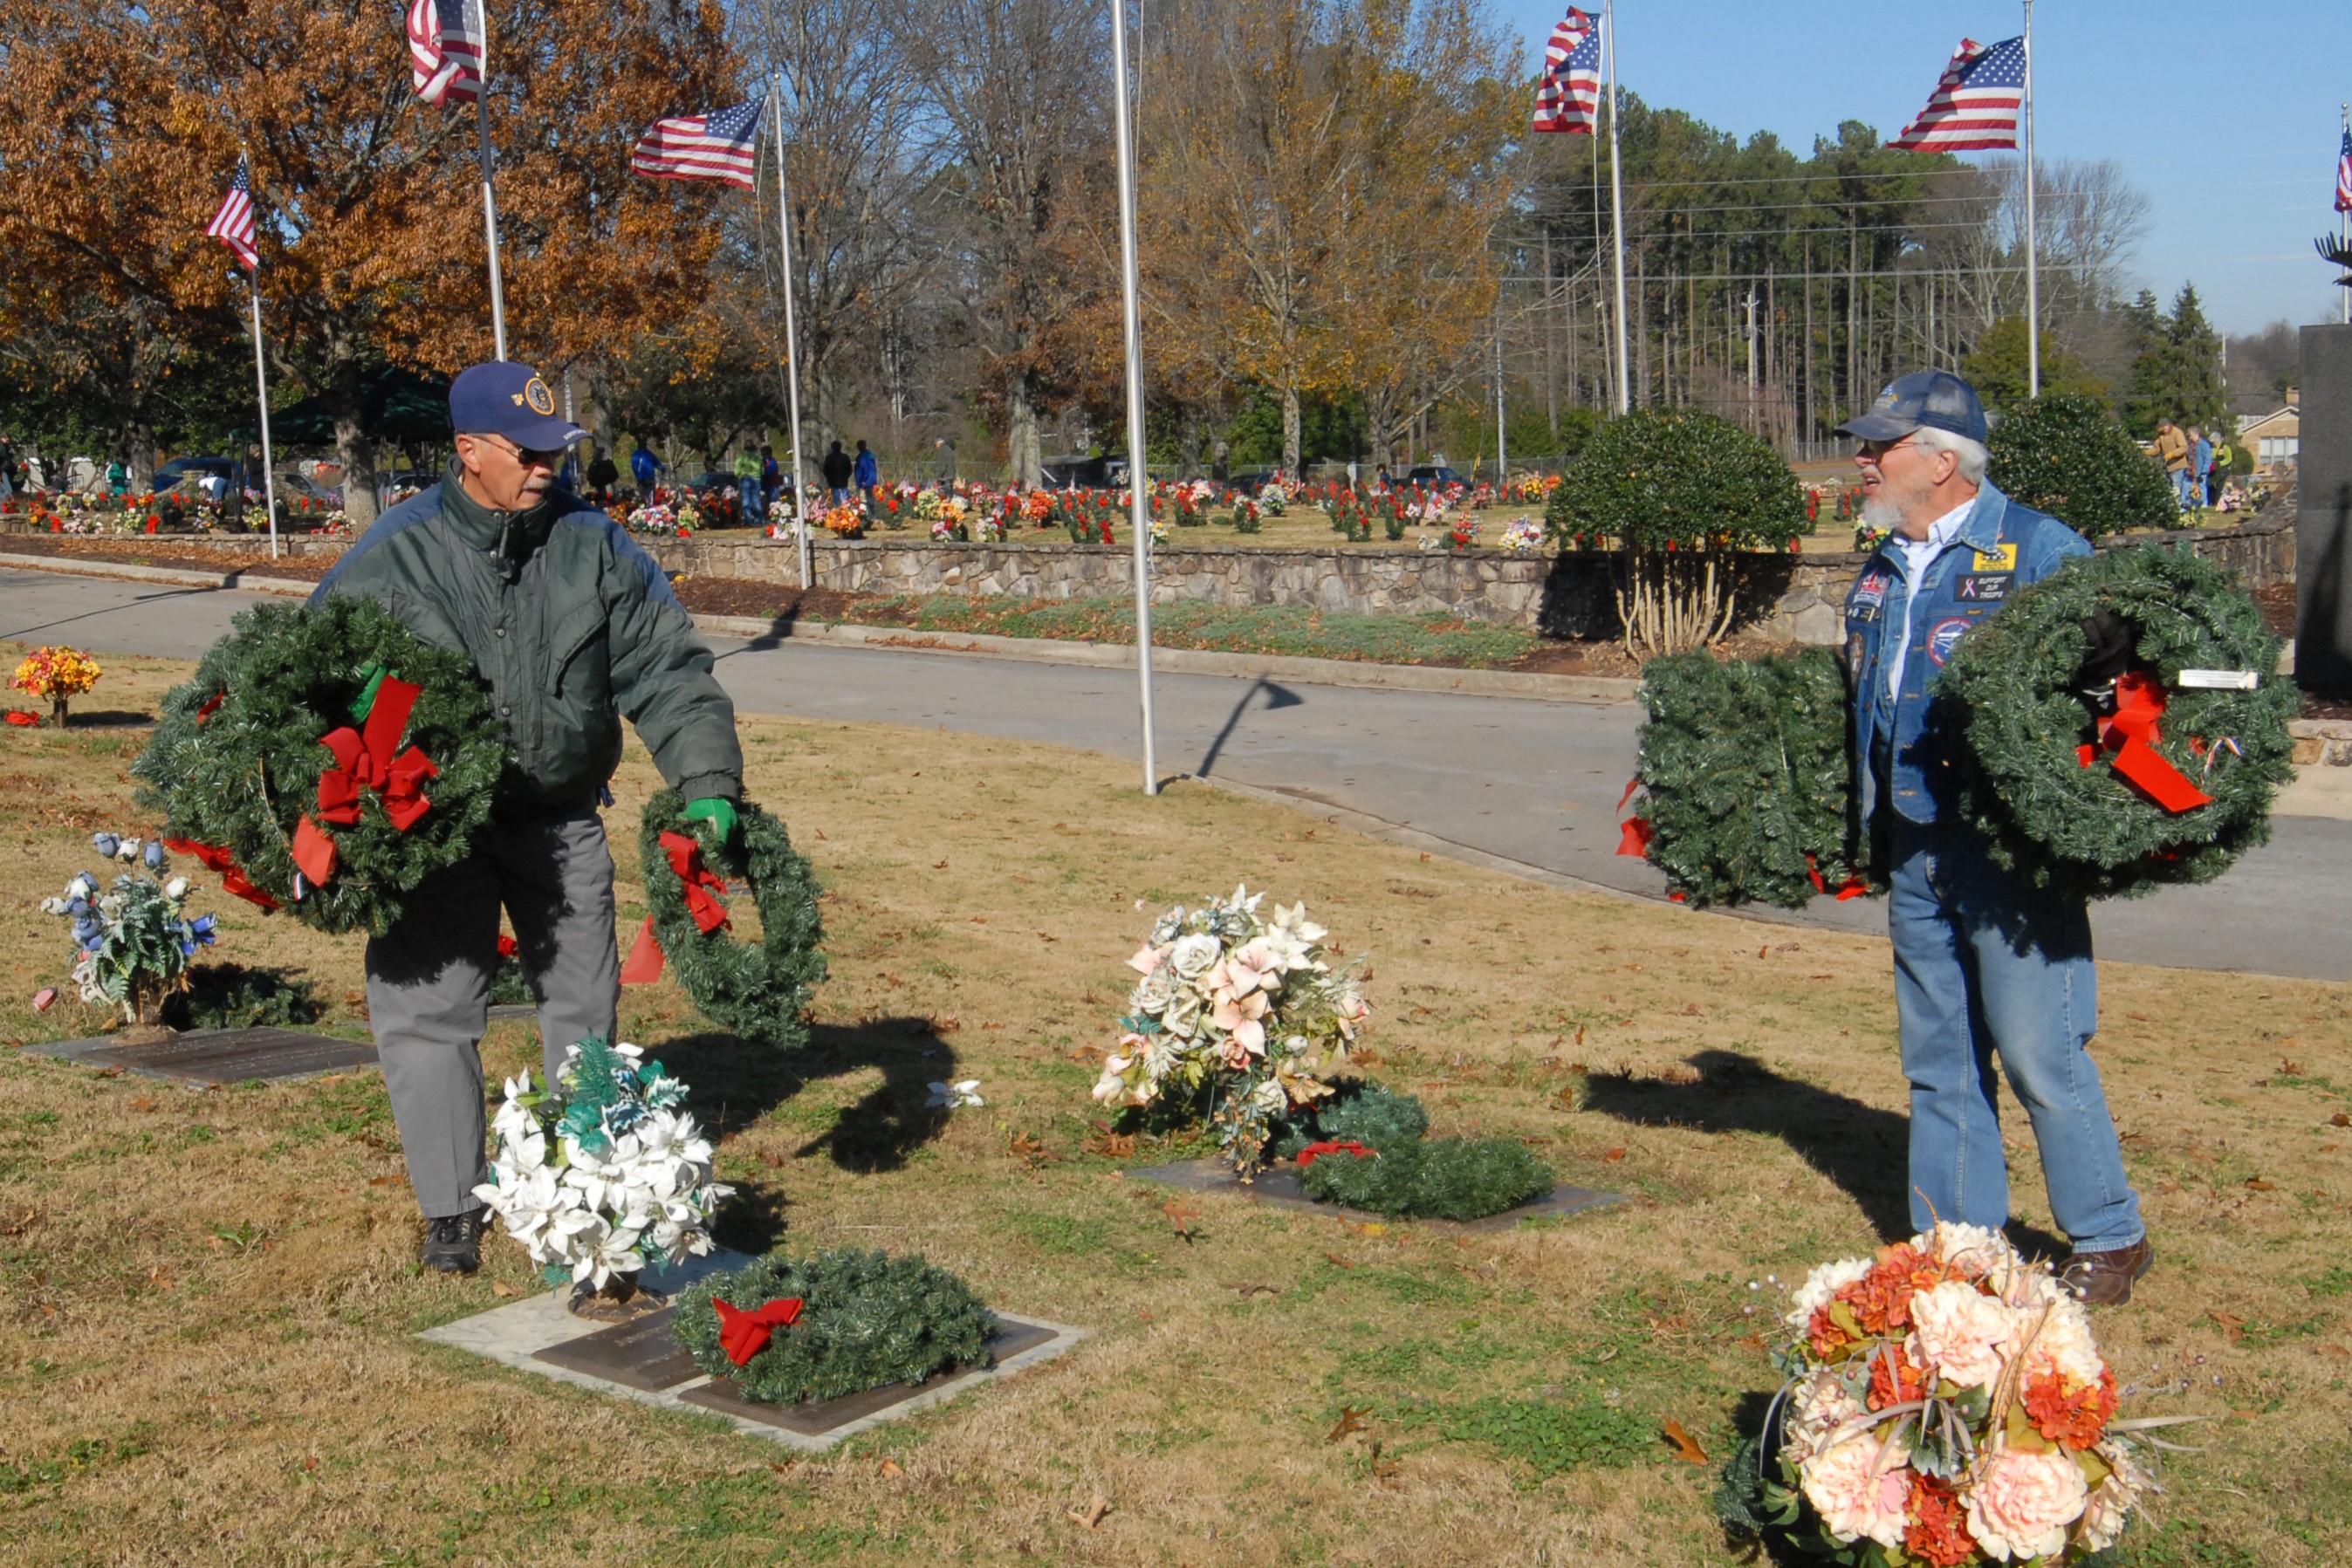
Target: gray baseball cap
column 1937, row 399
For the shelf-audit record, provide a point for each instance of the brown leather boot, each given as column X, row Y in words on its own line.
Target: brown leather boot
column 2104, row 1279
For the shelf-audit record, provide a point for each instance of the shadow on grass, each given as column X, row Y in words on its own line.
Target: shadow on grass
column 738, row 1081
column 1864, row 1150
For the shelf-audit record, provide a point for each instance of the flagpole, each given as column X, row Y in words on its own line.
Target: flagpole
column 489, row 197
column 1129, row 289
column 262, row 383
column 1616, row 196
column 2344, row 221
column 2033, row 244
column 792, row 335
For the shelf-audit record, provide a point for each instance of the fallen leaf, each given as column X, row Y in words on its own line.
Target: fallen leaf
column 2340, row 1120
column 1751, row 1341
column 2329, row 1148
column 311, row 1463
column 144, row 1103
column 1351, row 1419
column 938, row 865
column 2290, row 1069
column 1686, row 1447
column 2231, row 1324
column 1613, row 1156
column 1248, row 1290
column 890, row 1468
column 1335, row 1257
column 500, row 1288
column 2335, row 1353
column 2167, row 1188
column 2245, row 1415
column 1092, row 1514
column 395, row 1180
column 1372, row 1230
column 1030, row 1152
column 109, row 1072
column 1181, row 1215
column 1111, row 1146
column 1383, row 1470
column 2259, row 1185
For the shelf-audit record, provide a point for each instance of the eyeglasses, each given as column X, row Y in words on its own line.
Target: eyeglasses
column 528, row 456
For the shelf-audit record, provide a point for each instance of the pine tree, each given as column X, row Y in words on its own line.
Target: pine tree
column 2176, row 369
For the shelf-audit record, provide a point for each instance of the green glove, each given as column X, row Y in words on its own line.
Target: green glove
column 365, row 703
column 716, row 811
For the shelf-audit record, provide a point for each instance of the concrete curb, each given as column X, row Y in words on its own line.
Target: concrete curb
column 84, row 566
column 1604, row 689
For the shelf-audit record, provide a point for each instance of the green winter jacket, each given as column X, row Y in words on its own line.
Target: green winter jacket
column 570, row 625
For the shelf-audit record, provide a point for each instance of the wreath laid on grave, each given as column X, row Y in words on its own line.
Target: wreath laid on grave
column 786, row 1330
column 1746, row 774
column 325, row 761
column 1369, row 1148
column 759, row 991
column 2124, row 724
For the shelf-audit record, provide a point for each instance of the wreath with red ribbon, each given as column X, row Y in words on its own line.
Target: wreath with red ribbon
column 2125, row 723
column 325, row 761
column 759, row 990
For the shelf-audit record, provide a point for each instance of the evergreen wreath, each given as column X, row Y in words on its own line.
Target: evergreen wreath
column 1368, row 1147
column 865, row 1319
column 759, row 992
column 2034, row 691
column 238, row 759
column 1748, row 770
column 1429, row 1178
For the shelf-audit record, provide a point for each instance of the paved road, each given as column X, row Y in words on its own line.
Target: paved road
column 1531, row 782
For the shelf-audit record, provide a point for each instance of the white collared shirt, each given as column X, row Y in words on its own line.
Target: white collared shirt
column 1914, row 556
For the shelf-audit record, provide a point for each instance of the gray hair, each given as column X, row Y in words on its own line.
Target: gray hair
column 1971, row 454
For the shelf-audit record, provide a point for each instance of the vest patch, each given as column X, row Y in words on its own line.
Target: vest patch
column 2001, row 558
column 1986, row 588
column 1944, row 636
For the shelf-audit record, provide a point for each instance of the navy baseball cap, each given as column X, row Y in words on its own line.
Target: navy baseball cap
column 500, row 397
column 1935, row 399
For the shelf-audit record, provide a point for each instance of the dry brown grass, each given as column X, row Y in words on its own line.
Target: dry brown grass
column 206, row 1300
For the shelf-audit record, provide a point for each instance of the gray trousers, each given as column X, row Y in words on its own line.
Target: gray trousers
column 429, row 984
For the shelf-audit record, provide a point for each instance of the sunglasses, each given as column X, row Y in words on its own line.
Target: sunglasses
column 1875, row 450
column 528, row 456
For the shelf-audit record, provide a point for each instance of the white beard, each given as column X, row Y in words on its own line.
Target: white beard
column 1887, row 508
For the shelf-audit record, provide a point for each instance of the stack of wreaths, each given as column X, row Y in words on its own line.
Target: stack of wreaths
column 2122, row 725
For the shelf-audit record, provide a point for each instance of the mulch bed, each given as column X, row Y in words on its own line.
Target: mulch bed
column 156, row 550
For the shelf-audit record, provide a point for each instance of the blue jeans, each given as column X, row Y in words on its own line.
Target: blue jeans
column 1986, row 966
column 2180, row 486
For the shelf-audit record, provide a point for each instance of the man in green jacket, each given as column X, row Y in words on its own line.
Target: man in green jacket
column 571, row 626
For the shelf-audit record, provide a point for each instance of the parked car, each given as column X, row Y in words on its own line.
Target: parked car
column 170, row 475
column 292, row 486
column 1429, row 475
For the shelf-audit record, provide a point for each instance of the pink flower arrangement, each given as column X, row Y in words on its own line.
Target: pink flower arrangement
column 1946, row 1405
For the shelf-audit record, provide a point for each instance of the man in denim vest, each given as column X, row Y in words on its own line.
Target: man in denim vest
column 1984, row 964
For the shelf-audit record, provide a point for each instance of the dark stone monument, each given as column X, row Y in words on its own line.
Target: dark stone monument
column 2322, row 528
column 815, row 1417
column 1277, row 1188
column 206, row 1057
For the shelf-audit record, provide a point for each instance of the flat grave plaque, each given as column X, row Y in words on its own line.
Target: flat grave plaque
column 634, row 1361
column 819, row 1417
column 1277, row 1186
column 642, row 1353
column 206, row 1057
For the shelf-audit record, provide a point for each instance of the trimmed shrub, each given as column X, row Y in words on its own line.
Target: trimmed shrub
column 2065, row 455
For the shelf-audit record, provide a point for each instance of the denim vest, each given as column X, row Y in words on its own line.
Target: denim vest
column 2001, row 546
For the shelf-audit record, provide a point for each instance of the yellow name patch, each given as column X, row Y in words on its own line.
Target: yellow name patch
column 2002, row 559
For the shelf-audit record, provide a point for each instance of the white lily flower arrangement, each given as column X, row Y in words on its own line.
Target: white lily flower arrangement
column 602, row 1175
column 957, row 1095
column 1241, row 1009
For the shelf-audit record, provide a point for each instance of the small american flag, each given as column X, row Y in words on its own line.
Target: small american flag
column 233, row 225
column 445, row 51
column 1568, row 97
column 700, row 146
column 2344, row 175
column 1976, row 105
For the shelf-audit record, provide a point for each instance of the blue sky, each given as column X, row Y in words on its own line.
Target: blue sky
column 2225, row 116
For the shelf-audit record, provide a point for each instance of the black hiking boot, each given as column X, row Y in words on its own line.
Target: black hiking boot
column 453, row 1244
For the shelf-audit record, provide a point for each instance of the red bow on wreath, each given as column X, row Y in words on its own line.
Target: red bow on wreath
column 1313, row 1152
column 643, row 965
column 2131, row 734
column 364, row 759
column 743, row 1335
column 216, row 858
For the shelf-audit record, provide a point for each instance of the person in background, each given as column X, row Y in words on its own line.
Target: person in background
column 2221, row 475
column 772, row 482
column 943, row 463
column 747, row 483
column 866, row 473
column 2172, row 451
column 645, row 468
column 602, row 474
column 117, row 480
column 2200, row 468
column 838, row 469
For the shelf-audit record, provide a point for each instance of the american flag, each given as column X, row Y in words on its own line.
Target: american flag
column 445, row 51
column 1570, row 96
column 700, row 146
column 2344, row 175
column 1976, row 105
column 233, row 225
